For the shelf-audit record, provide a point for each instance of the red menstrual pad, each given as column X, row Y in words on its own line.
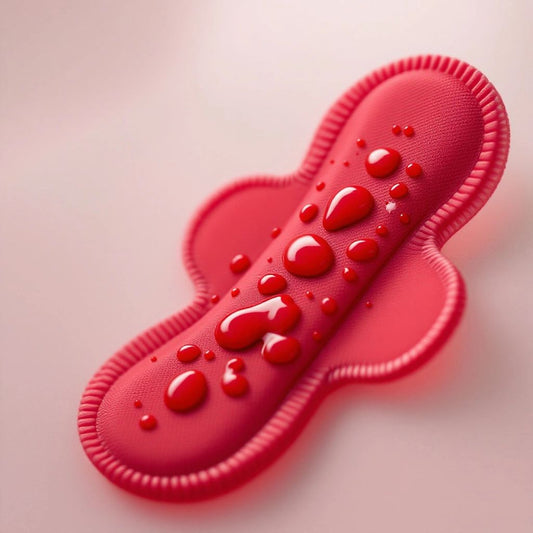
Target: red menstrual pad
column 331, row 274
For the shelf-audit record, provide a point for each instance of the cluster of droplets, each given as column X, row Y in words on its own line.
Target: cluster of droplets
column 305, row 256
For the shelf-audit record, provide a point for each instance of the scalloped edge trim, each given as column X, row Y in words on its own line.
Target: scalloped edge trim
column 291, row 416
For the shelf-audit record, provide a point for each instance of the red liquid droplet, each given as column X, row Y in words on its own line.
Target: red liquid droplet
column 188, row 353
column 138, row 404
column 271, row 284
column 328, row 306
column 244, row 327
column 186, row 391
column 408, row 131
column 396, row 129
column 269, row 259
column 331, row 161
column 346, row 163
column 309, row 295
column 308, row 212
column 363, row 250
column 382, row 230
column 308, row 256
column 398, row 190
column 413, row 170
column 368, row 304
column 234, row 384
column 361, row 143
column 405, row 218
column 215, row 298
column 239, row 263
column 209, row 355
column 382, row 162
column 235, row 292
column 349, row 274
column 317, row 336
column 348, row 206
column 275, row 232
column 148, row 422
column 320, row 185
column 153, row 359
column 278, row 349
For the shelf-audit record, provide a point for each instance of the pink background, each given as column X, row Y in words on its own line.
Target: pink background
column 117, row 120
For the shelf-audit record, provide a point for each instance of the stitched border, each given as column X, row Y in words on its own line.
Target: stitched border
column 291, row 416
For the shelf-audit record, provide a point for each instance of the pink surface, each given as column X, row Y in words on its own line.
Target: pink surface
column 94, row 153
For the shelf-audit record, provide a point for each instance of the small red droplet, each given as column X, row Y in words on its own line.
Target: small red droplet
column 271, row 284
column 361, row 143
column 279, row 349
column 368, row 304
column 382, row 230
column 269, row 259
column 309, row 295
column 346, row 163
column 349, row 274
column 236, row 364
column 413, row 170
column 382, row 162
column 235, row 291
column 308, row 256
column 215, row 298
column 138, row 404
column 148, row 422
column 398, row 190
column 405, row 218
column 275, row 232
column 362, row 250
column 328, row 306
column 331, row 161
column 239, row 263
column 153, row 359
column 308, row 212
column 396, row 129
column 234, row 384
column 186, row 391
column 408, row 131
column 317, row 336
column 320, row 185
column 188, row 353
column 209, row 355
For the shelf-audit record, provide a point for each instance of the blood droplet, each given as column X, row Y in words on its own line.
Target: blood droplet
column 234, row 384
column 413, row 170
column 279, row 349
column 308, row 256
column 363, row 250
column 239, row 263
column 398, row 190
column 408, row 131
column 275, row 232
column 235, row 292
column 405, row 218
column 349, row 274
column 186, row 391
column 148, row 422
column 308, row 212
column 329, row 306
column 188, row 353
column 271, row 284
column 361, row 143
column 382, row 230
column 382, row 162
column 348, row 206
column 320, row 185
column 396, row 129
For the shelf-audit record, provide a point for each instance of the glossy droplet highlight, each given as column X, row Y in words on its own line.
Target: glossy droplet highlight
column 363, row 250
column 398, row 190
column 347, row 207
column 361, row 143
column 275, row 232
column 138, row 404
column 209, row 355
column 382, row 162
column 235, row 292
column 328, row 306
column 271, row 284
column 239, row 263
column 308, row 256
column 413, row 170
column 188, row 353
column 279, row 349
column 405, row 218
column 308, row 212
column 233, row 383
column 349, row 274
column 396, row 129
column 320, row 185
column 408, row 131
column 382, row 230
column 309, row 295
column 186, row 391
column 246, row 326
column 148, row 422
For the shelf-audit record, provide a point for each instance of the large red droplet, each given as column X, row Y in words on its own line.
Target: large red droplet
column 382, row 162
column 186, row 391
column 398, row 190
column 239, row 263
column 348, row 206
column 234, row 384
column 246, row 326
column 278, row 349
column 308, row 212
column 188, row 352
column 271, row 284
column 363, row 250
column 308, row 256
